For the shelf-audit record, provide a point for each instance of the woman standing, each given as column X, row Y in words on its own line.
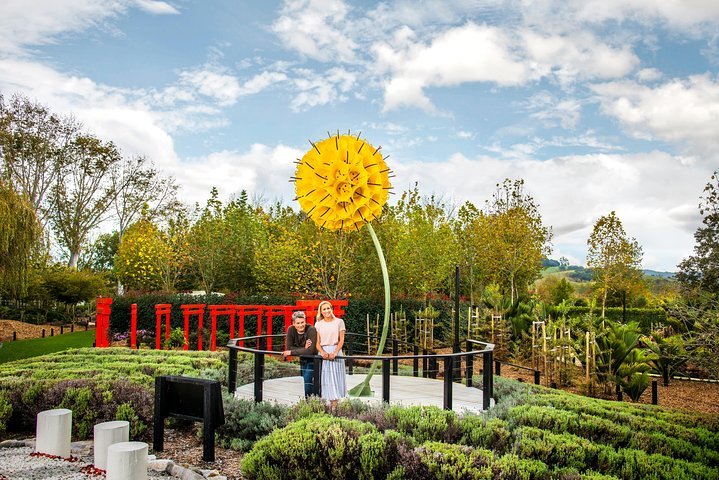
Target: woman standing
column 330, row 338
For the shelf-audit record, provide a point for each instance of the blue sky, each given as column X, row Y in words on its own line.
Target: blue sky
column 598, row 105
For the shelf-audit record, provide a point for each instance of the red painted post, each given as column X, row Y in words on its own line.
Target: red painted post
column 162, row 310
column 275, row 311
column 193, row 309
column 133, row 326
column 216, row 310
column 102, row 322
column 248, row 310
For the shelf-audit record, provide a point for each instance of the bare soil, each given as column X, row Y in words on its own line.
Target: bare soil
column 25, row 330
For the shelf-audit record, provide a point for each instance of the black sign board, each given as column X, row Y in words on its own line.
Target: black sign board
column 189, row 399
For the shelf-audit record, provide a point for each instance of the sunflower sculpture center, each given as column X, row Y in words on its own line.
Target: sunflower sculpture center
column 342, row 182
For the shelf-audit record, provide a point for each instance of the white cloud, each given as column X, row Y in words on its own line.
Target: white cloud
column 315, row 88
column 262, row 170
column 470, row 53
column 210, row 82
column 157, row 7
column 552, row 110
column 317, row 29
column 681, row 111
column 577, row 55
column 261, row 81
column 25, row 24
column 677, row 13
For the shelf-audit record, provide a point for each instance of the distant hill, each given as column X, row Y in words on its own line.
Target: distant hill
column 583, row 274
column 654, row 273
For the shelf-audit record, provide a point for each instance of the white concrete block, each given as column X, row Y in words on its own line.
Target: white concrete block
column 53, row 430
column 106, row 434
column 127, row 461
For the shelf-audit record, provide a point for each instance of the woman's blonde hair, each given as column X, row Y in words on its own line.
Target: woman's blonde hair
column 319, row 310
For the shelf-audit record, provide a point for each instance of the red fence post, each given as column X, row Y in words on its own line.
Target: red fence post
column 243, row 311
column 102, row 322
column 216, row 310
column 193, row 309
column 162, row 310
column 133, row 326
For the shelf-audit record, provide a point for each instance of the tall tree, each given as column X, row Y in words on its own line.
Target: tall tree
column 514, row 239
column 33, row 148
column 19, row 236
column 700, row 272
column 83, row 195
column 614, row 257
column 140, row 190
column 421, row 258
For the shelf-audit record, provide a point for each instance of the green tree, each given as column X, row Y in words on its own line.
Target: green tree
column 614, row 257
column 240, row 233
column 33, row 149
column 700, row 272
column 20, row 235
column 468, row 230
column 421, row 258
column 83, row 195
column 140, row 256
column 70, row 287
column 513, row 239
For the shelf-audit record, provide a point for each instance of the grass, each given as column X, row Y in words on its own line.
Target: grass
column 34, row 347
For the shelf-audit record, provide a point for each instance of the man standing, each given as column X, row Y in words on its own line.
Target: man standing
column 302, row 340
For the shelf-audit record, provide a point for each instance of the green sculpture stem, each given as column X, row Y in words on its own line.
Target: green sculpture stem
column 363, row 389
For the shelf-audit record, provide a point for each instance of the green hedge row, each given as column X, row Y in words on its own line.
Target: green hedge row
column 603, row 431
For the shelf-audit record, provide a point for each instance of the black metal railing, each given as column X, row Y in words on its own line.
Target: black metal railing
column 498, row 369
column 451, row 364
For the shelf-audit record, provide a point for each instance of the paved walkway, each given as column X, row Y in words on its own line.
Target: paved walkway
column 405, row 391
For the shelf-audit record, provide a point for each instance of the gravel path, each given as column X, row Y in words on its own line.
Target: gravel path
column 18, row 463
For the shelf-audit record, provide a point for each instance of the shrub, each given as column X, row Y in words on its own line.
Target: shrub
column 138, row 428
column 435, row 460
column 477, row 431
column 425, row 423
column 247, row 421
column 321, row 447
column 5, row 412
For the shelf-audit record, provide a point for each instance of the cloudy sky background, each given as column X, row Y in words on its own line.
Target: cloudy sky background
column 598, row 105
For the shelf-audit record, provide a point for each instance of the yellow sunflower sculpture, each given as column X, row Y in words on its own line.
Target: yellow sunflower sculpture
column 342, row 183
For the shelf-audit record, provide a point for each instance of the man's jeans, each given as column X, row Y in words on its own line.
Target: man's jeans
column 307, row 367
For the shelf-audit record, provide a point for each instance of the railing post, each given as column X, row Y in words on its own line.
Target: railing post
column 425, row 364
column 395, row 362
column 620, row 396
column 491, row 377
column 486, row 379
column 415, row 361
column 498, row 368
column 350, row 351
column 448, row 380
column 470, row 364
column 385, row 380
column 433, row 366
column 655, row 392
column 259, row 373
column 317, row 380
column 536, row 377
column 232, row 371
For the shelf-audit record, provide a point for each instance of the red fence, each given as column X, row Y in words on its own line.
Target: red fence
column 193, row 314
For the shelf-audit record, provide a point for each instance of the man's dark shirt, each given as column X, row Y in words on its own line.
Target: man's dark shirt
column 296, row 341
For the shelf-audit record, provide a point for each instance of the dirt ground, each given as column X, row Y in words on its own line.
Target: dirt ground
column 27, row 330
